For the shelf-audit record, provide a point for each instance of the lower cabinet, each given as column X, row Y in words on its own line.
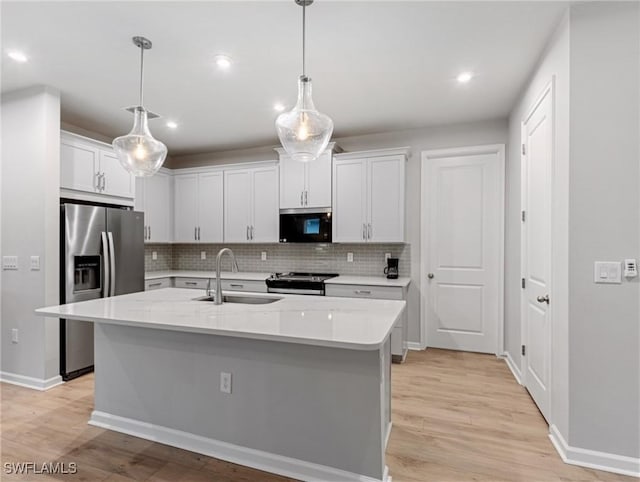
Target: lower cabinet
column 400, row 331
column 158, row 283
column 253, row 286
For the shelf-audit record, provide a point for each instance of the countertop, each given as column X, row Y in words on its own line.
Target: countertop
column 349, row 323
column 339, row 280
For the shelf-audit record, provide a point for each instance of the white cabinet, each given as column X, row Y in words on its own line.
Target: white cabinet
column 251, row 207
column 305, row 184
column 399, row 333
column 154, row 196
column 369, row 196
column 198, row 211
column 92, row 167
column 157, row 283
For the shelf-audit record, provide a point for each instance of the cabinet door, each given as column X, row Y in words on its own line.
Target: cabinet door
column 117, row 180
column 292, row 183
column 319, row 182
column 266, row 216
column 158, row 206
column 78, row 166
column 185, row 214
column 237, row 205
column 386, row 199
column 210, row 209
column 349, row 200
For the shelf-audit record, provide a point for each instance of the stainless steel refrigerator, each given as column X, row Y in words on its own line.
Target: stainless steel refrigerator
column 102, row 255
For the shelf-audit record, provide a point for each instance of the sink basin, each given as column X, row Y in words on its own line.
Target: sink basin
column 243, row 299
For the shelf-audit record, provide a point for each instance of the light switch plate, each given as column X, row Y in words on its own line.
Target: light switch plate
column 10, row 262
column 35, row 263
column 607, row 272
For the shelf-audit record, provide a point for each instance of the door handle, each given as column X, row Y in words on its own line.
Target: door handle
column 112, row 262
column 106, row 264
column 543, row 299
column 430, row 276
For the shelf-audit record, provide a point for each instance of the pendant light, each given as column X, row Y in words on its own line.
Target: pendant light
column 138, row 151
column 303, row 131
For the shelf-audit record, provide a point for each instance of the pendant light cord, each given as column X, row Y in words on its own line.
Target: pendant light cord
column 304, row 8
column 141, row 71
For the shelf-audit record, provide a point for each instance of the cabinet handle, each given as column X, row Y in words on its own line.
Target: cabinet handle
column 252, row 228
column 362, row 292
column 190, row 283
column 198, row 233
column 151, row 285
column 369, row 231
column 301, row 198
column 364, row 231
column 232, row 285
column 195, row 233
column 247, row 233
column 97, row 186
column 306, row 198
column 104, row 181
column 145, row 233
column 149, row 228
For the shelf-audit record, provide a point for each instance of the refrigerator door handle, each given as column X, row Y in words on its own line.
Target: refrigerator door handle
column 107, row 267
column 112, row 262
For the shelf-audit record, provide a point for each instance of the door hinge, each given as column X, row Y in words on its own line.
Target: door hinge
column 523, row 216
column 524, row 150
column 524, row 351
column 524, row 284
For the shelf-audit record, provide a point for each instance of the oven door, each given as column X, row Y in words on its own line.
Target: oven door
column 305, row 227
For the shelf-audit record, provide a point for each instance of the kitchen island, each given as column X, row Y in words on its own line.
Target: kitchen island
column 309, row 378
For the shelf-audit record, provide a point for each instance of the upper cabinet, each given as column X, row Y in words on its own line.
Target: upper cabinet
column 198, row 211
column 306, row 184
column 251, row 212
column 92, row 168
column 369, row 196
column 154, row 196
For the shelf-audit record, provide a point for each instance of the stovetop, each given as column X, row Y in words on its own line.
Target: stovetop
column 298, row 283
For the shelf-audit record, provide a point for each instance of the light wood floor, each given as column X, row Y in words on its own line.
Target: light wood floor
column 457, row 417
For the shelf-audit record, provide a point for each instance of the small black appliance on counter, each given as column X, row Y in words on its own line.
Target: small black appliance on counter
column 391, row 270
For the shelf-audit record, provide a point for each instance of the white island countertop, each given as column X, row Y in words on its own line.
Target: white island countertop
column 357, row 324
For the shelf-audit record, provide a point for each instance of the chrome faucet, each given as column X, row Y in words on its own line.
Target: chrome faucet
column 234, row 267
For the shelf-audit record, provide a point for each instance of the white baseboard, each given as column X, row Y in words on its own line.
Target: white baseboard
column 513, row 367
column 386, row 437
column 258, row 459
column 30, row 382
column 415, row 345
column 593, row 459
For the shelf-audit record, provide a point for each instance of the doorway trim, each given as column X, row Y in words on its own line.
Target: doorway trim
column 426, row 157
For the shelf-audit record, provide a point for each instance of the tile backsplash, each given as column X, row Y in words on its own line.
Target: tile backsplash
column 368, row 259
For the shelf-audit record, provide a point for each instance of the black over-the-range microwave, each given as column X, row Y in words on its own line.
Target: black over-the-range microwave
column 301, row 226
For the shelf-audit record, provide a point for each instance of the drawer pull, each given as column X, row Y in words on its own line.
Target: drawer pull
column 232, row 285
column 191, row 283
column 151, row 285
column 362, row 292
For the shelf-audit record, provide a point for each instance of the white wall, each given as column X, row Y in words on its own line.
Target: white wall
column 604, row 326
column 553, row 67
column 477, row 133
column 30, row 226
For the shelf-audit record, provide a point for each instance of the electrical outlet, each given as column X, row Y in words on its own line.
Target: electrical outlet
column 14, row 335
column 9, row 262
column 35, row 263
column 349, row 257
column 263, row 256
column 203, row 255
column 386, row 256
column 154, row 255
column 225, row 382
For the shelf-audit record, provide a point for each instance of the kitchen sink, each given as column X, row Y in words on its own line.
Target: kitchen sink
column 243, row 299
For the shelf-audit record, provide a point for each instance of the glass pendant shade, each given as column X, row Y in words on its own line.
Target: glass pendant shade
column 138, row 152
column 303, row 131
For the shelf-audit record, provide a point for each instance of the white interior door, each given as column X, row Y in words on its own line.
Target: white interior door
column 210, row 210
column 185, row 214
column 537, row 135
column 463, row 206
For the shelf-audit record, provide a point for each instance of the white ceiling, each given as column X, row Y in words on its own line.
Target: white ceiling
column 376, row 66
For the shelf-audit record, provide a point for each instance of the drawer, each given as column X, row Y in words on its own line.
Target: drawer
column 195, row 283
column 156, row 284
column 361, row 291
column 244, row 285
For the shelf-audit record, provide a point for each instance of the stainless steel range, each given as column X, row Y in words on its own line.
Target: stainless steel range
column 298, row 283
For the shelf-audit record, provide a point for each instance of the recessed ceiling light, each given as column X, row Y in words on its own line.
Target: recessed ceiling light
column 171, row 124
column 465, row 77
column 223, row 62
column 278, row 107
column 17, row 56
